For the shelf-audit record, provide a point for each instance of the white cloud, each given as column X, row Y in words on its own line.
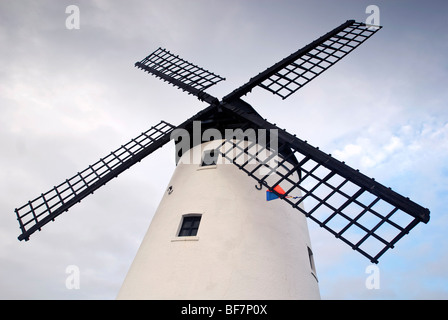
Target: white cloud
column 394, row 144
column 348, row 151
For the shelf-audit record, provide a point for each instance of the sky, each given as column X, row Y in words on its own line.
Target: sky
column 70, row 96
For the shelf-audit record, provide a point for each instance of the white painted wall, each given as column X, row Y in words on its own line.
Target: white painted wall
column 246, row 247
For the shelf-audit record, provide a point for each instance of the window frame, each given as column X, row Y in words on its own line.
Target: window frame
column 206, row 155
column 312, row 264
column 185, row 217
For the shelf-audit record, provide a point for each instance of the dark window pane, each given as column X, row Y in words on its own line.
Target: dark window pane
column 209, row 158
column 190, row 226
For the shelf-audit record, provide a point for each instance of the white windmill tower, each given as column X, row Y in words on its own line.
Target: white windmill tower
column 216, row 234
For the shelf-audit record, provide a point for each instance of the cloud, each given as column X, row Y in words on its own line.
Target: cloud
column 368, row 152
column 383, row 147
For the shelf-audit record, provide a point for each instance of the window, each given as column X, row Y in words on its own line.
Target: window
column 312, row 265
column 190, row 226
column 209, row 158
column 310, row 255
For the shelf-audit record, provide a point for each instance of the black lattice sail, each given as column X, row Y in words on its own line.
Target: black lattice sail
column 46, row 207
column 292, row 73
column 319, row 58
column 361, row 212
column 179, row 72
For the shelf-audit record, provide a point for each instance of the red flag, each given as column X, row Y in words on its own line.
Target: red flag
column 272, row 196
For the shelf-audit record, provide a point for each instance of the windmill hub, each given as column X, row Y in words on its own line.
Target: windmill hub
column 186, row 139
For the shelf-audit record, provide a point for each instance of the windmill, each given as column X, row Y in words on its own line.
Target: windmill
column 232, row 222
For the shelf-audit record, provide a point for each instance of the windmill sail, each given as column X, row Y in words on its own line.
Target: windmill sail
column 181, row 73
column 361, row 212
column 46, row 207
column 292, row 73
